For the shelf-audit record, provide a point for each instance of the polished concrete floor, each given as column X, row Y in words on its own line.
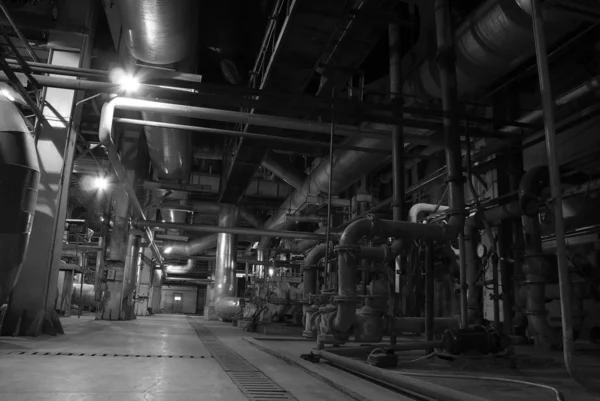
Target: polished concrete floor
column 137, row 372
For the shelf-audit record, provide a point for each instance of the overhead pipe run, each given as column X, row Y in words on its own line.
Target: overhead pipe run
column 200, row 228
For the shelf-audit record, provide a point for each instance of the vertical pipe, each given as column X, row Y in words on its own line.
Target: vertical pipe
column 505, row 274
column 429, row 293
column 329, row 191
column 448, row 83
column 496, row 288
column 473, row 291
column 464, row 313
column 226, row 254
column 553, row 164
column 398, row 183
column 397, row 130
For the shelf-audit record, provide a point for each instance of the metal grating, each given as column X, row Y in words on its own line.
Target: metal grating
column 255, row 385
column 99, row 354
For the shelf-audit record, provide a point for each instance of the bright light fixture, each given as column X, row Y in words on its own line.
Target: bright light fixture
column 129, row 83
column 168, row 249
column 100, row 183
column 271, row 272
column 7, row 95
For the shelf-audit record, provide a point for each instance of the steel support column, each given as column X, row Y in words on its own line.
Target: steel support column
column 34, row 297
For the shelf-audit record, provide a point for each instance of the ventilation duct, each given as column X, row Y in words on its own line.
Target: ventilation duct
column 496, row 38
column 19, row 179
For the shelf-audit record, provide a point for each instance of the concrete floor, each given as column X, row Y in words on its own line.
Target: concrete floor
column 138, row 376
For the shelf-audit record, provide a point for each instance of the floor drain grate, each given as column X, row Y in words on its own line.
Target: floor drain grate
column 102, row 355
column 254, row 384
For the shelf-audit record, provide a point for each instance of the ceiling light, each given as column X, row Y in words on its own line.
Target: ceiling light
column 168, row 249
column 129, row 83
column 271, row 272
column 100, row 183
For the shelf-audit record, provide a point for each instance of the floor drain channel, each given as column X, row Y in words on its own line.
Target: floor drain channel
column 109, row 355
column 254, row 384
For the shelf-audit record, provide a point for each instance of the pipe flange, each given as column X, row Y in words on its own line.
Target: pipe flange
column 347, row 248
column 341, row 299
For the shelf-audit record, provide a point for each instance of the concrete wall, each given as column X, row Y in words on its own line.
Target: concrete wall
column 188, row 298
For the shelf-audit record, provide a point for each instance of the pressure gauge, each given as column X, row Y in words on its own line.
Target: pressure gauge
column 481, row 250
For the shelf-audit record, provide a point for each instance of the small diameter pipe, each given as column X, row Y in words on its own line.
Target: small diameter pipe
column 403, row 346
column 426, row 389
column 553, row 164
column 200, row 228
column 429, row 293
column 329, row 192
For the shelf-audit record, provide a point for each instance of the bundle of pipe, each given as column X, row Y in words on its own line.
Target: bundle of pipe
column 492, row 41
column 19, row 179
column 198, row 246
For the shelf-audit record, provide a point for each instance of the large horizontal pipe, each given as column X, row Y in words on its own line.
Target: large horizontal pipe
column 262, row 137
column 396, row 379
column 261, row 120
column 200, row 228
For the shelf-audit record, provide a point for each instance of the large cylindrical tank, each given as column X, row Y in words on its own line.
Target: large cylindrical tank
column 85, row 296
column 19, row 179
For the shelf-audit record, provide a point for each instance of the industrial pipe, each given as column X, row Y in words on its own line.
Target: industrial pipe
column 273, row 163
column 209, row 207
column 474, row 290
column 534, row 264
column 105, row 139
column 396, row 379
column 446, row 61
column 347, row 298
column 309, row 270
column 418, row 208
column 231, row 230
column 239, row 117
column 226, row 306
column 19, row 179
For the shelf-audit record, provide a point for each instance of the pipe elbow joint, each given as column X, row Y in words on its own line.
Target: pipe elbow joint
column 227, row 308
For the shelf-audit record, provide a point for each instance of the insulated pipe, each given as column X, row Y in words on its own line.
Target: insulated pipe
column 19, row 179
column 130, row 269
column 118, row 235
column 159, row 32
column 275, row 165
column 534, row 265
column 309, row 270
column 200, row 228
column 226, row 306
column 474, row 290
column 195, row 246
column 418, row 208
column 214, row 208
column 396, row 379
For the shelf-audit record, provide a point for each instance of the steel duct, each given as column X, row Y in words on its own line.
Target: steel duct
column 163, row 32
column 495, row 39
column 19, row 179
